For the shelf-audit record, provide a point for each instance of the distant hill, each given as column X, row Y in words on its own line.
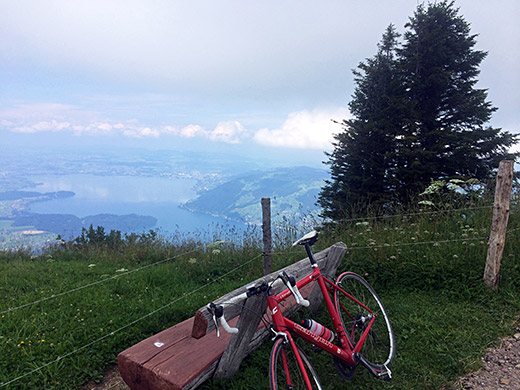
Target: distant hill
column 69, row 225
column 34, row 196
column 293, row 193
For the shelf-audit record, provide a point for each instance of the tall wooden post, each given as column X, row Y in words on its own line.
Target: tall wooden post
column 266, row 229
column 497, row 237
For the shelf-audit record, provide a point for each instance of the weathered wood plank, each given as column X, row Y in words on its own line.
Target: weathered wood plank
column 203, row 322
column 131, row 362
column 497, row 237
column 238, row 346
column 172, row 358
column 266, row 230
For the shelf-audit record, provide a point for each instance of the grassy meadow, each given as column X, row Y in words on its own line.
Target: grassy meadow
column 68, row 312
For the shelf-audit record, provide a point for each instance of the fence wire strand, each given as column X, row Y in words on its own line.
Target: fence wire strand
column 415, row 214
column 185, row 295
column 95, row 283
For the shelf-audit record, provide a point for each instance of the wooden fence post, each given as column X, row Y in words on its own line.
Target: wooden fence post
column 266, row 229
column 497, row 237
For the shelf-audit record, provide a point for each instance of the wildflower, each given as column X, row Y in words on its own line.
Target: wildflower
column 192, row 260
column 91, row 265
column 215, row 251
column 43, row 340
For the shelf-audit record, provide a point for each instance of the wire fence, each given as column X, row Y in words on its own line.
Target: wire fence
column 124, row 273
column 405, row 215
column 216, row 279
column 184, row 296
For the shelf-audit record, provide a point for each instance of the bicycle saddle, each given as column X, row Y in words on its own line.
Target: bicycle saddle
column 310, row 238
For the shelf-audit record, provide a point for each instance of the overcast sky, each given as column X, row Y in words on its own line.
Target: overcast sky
column 267, row 74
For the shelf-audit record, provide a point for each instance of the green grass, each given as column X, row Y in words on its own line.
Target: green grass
column 427, row 269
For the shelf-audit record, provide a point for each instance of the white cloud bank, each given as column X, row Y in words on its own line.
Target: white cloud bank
column 305, row 129
column 53, row 117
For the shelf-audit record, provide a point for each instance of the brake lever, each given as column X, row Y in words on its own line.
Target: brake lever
column 290, row 282
column 213, row 310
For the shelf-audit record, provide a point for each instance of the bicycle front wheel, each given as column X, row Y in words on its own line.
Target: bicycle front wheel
column 356, row 312
column 284, row 371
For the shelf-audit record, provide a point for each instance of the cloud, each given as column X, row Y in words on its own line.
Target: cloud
column 141, row 132
column 50, row 117
column 194, row 45
column 42, row 126
column 191, row 131
column 231, row 132
column 305, row 129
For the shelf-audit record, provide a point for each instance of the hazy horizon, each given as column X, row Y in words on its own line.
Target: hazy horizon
column 263, row 79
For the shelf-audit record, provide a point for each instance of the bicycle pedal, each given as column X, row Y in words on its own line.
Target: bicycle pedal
column 386, row 375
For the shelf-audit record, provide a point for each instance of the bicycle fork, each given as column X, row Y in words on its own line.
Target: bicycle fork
column 300, row 364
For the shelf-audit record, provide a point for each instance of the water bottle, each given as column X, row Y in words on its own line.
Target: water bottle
column 318, row 329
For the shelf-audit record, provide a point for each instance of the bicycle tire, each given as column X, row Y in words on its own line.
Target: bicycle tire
column 379, row 346
column 278, row 378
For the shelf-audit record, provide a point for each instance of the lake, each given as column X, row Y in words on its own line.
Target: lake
column 159, row 197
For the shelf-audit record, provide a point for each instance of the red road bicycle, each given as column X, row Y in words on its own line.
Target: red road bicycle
column 362, row 331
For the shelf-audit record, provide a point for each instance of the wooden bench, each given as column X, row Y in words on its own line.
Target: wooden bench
column 189, row 353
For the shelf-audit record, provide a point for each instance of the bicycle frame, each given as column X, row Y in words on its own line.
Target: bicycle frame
column 282, row 324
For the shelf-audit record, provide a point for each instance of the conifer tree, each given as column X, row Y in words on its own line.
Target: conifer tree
column 449, row 137
column 418, row 116
column 362, row 164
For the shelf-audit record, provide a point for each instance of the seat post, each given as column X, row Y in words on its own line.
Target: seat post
column 310, row 255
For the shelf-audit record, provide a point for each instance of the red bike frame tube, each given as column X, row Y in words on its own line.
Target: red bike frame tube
column 363, row 337
column 334, row 315
column 350, row 296
column 283, row 324
column 286, row 368
column 300, row 362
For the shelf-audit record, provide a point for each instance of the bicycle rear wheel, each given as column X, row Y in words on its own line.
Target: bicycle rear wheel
column 379, row 347
column 284, row 372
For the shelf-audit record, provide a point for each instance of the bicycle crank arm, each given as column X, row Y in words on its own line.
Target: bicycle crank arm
column 385, row 374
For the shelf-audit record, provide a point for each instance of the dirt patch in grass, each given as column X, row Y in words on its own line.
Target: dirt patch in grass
column 111, row 381
column 500, row 368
